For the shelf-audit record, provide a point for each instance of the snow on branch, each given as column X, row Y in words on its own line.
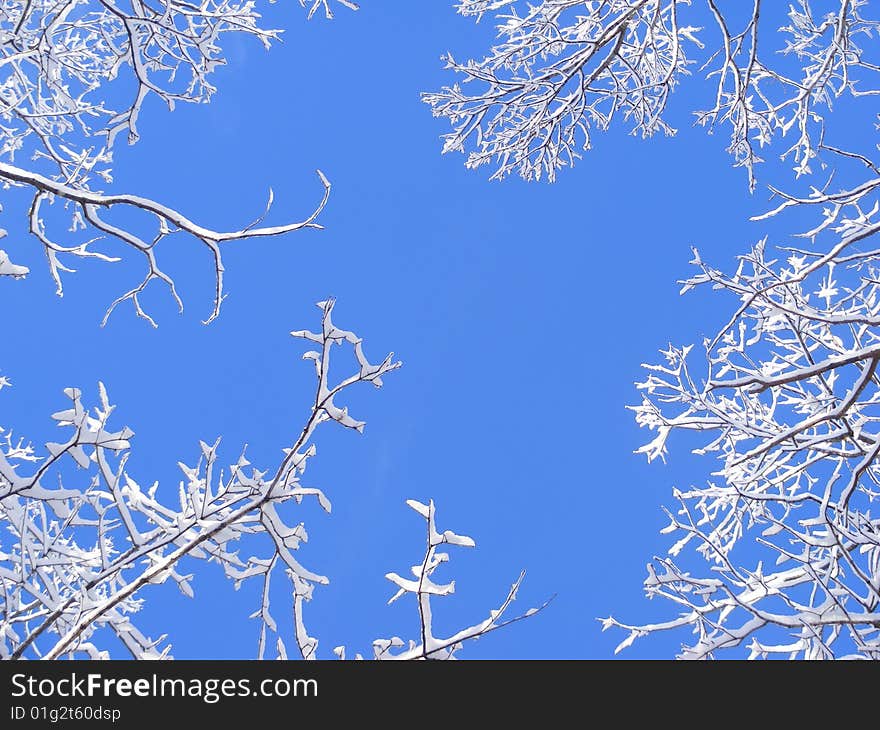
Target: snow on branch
column 424, row 590
column 79, row 549
column 168, row 221
column 312, row 6
column 63, row 69
column 561, row 69
column 786, row 397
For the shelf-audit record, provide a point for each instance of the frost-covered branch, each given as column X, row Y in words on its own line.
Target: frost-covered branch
column 788, row 395
column 76, row 559
column 64, row 69
column 561, row 69
column 779, row 552
column 168, row 222
column 424, row 590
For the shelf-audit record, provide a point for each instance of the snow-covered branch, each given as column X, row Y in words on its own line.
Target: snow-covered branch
column 168, row 222
column 788, row 394
column 561, row 69
column 77, row 558
column 64, row 67
column 424, row 590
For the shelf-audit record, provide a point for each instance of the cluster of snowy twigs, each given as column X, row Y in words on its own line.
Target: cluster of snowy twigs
column 789, row 395
column 563, row 68
column 64, row 69
column 79, row 551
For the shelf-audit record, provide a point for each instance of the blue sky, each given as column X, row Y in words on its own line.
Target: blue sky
column 521, row 313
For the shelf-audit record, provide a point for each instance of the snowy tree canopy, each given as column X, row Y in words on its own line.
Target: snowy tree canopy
column 82, row 538
column 779, row 551
column 562, row 69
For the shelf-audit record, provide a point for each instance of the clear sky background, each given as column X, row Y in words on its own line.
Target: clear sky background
column 521, row 312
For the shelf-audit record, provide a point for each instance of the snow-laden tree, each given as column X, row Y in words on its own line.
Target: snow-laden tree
column 561, row 69
column 779, row 552
column 81, row 542
column 74, row 76
column 786, row 395
column 79, row 549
